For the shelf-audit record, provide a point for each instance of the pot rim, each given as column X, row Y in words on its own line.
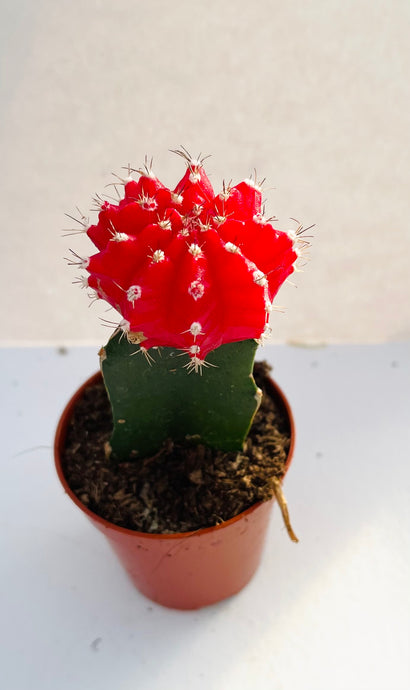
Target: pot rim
column 59, row 439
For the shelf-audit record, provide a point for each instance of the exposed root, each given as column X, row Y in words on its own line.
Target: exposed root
column 280, row 497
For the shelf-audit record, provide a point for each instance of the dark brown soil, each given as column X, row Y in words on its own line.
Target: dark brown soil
column 182, row 488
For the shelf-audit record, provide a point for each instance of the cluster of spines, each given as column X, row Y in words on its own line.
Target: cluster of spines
column 187, row 268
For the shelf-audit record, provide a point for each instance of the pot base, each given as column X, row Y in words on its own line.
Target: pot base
column 189, row 571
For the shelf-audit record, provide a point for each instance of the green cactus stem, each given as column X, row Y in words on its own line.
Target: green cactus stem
column 154, row 401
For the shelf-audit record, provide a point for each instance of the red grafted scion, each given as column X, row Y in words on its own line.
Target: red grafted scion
column 187, row 268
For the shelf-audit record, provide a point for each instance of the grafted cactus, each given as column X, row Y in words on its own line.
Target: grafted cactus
column 192, row 273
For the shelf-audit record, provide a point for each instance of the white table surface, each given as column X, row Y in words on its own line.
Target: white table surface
column 330, row 613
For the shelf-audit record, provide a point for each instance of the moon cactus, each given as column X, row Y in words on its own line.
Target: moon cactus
column 193, row 275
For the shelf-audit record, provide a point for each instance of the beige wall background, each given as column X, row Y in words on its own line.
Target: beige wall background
column 314, row 95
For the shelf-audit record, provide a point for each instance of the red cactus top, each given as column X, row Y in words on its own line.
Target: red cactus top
column 187, row 268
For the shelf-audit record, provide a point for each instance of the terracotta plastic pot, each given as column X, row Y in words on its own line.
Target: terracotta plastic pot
column 191, row 569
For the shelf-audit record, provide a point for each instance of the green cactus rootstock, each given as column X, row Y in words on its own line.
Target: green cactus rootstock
column 154, row 401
